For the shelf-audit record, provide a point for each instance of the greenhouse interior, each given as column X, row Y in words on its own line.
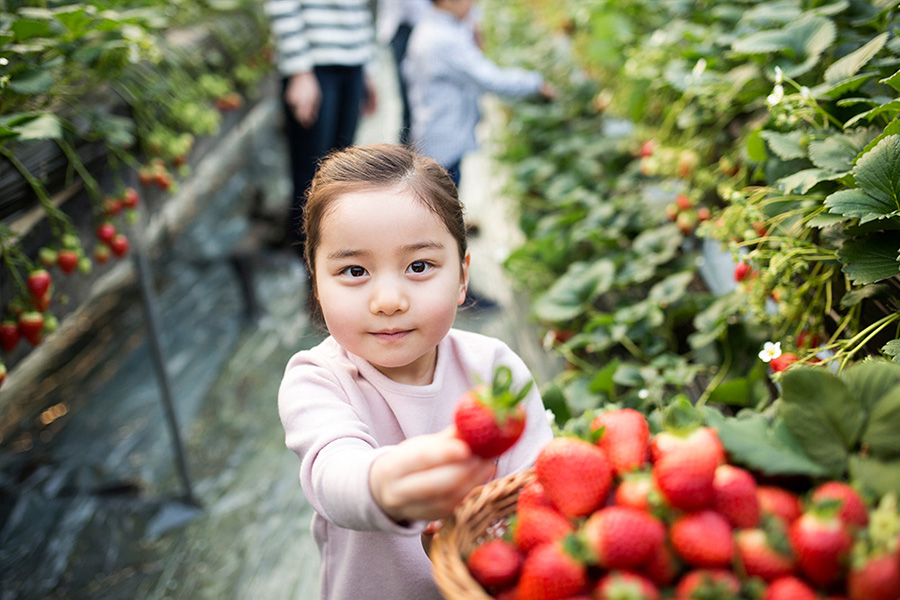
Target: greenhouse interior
column 668, row 368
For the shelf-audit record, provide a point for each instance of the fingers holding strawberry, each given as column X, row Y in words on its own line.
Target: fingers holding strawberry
column 425, row 477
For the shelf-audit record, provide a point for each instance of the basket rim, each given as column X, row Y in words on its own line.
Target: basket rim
column 469, row 522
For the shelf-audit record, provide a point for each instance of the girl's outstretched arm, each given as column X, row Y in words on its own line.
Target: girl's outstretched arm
column 425, row 477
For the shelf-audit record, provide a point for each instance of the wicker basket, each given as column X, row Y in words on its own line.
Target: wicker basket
column 483, row 507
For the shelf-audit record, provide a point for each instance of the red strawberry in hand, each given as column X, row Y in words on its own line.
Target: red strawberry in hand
column 624, row 439
column 576, row 475
column 491, row 420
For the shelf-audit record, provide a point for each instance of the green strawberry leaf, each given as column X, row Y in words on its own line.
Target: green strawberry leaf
column 822, row 414
column 569, row 295
column 871, row 380
column 835, row 153
column 892, row 349
column 870, row 258
column 880, row 437
column 855, row 203
column 878, row 172
column 803, row 181
column 881, row 477
column 849, row 65
column 893, row 81
column 752, row 441
column 786, row 145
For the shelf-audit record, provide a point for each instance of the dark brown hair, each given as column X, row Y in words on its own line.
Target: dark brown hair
column 379, row 166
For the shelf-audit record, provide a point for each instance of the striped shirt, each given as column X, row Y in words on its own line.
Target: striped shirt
column 311, row 33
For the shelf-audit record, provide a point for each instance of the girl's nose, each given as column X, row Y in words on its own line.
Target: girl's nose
column 388, row 297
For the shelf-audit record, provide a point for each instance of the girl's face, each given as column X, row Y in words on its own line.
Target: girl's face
column 389, row 280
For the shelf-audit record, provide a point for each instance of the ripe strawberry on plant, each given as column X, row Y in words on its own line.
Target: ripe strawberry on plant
column 38, row 282
column 622, row 537
column 490, row 420
column 119, row 245
column 576, row 475
column 853, row 509
column 43, row 303
column 67, row 260
column 765, row 552
column 102, row 253
column 31, row 326
column 495, row 563
column 106, row 231
column 9, row 335
column 624, row 436
column 742, row 271
column 130, row 198
column 790, row 588
column 781, row 363
column 622, row 585
column 821, row 543
column 703, row 539
column 552, row 572
column 537, row 525
column 721, row 584
column 735, row 495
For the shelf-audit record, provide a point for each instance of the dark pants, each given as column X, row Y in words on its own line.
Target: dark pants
column 343, row 92
column 398, row 45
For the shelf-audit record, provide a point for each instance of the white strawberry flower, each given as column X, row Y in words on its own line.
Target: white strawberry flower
column 771, row 350
column 776, row 96
column 779, row 76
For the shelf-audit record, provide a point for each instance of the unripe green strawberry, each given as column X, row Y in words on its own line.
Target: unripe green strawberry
column 491, row 420
column 576, row 475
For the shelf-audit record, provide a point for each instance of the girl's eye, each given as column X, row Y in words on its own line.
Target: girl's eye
column 420, row 266
column 354, row 271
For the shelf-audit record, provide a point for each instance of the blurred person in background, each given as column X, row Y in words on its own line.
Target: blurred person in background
column 322, row 48
column 446, row 74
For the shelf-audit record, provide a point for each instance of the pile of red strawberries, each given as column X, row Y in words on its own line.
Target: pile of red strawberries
column 635, row 516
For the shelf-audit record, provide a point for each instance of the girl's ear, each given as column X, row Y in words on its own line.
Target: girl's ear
column 464, row 279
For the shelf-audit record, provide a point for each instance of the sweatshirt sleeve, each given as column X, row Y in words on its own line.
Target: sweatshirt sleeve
column 468, row 61
column 290, row 33
column 335, row 447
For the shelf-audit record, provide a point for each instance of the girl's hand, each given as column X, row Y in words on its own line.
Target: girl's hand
column 425, row 477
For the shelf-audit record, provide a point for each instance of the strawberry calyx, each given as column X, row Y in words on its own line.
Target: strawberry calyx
column 681, row 417
column 499, row 397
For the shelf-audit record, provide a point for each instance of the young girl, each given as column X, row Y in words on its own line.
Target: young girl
column 369, row 411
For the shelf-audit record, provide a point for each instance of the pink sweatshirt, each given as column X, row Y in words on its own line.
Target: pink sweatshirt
column 339, row 412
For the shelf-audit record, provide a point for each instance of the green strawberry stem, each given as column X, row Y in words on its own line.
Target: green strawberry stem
column 500, row 394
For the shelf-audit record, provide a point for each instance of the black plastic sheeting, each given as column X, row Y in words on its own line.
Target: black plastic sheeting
column 92, row 505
